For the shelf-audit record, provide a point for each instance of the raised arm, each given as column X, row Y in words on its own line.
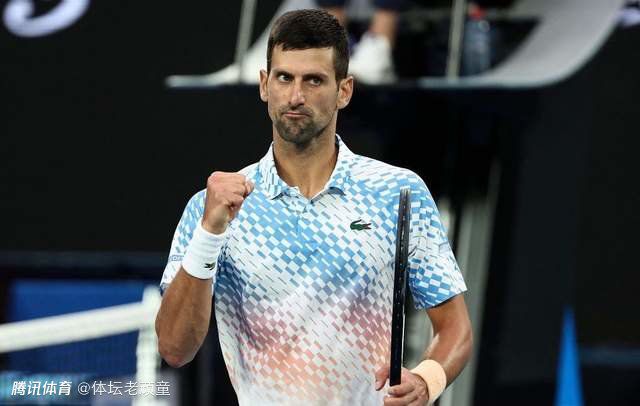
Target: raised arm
column 182, row 322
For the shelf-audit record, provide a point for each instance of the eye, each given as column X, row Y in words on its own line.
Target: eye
column 315, row 81
column 283, row 77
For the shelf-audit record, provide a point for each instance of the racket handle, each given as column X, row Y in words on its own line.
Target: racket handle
column 395, row 373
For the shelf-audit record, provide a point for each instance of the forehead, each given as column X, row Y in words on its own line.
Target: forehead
column 319, row 60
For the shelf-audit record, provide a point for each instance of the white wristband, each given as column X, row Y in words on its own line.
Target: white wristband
column 434, row 376
column 201, row 258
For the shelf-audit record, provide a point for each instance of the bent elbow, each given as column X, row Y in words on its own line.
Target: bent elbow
column 175, row 361
column 174, row 358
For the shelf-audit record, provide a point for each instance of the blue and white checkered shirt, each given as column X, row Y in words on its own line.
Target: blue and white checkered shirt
column 303, row 287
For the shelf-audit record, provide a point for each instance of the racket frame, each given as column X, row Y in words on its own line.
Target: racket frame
column 399, row 286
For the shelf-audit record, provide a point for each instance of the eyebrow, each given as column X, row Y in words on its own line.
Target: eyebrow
column 306, row 76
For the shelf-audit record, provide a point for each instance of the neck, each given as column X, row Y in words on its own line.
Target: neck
column 309, row 167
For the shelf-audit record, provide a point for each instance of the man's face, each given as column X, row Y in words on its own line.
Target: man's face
column 302, row 94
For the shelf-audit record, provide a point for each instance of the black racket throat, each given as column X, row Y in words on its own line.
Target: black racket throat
column 399, row 286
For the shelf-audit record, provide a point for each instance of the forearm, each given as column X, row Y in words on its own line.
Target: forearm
column 183, row 319
column 451, row 347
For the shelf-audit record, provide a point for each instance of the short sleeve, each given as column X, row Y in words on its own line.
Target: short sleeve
column 434, row 275
column 181, row 237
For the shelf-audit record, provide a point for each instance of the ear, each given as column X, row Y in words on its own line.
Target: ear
column 263, row 85
column 345, row 91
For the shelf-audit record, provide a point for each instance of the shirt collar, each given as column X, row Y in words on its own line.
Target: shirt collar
column 339, row 180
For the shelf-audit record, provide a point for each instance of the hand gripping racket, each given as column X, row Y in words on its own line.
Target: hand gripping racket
column 399, row 285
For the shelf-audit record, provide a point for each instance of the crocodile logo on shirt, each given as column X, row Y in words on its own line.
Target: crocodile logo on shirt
column 210, row 266
column 358, row 225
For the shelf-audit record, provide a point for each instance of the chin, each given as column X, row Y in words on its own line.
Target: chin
column 296, row 137
column 298, row 140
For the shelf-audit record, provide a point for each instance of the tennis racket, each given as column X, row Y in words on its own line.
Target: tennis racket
column 399, row 286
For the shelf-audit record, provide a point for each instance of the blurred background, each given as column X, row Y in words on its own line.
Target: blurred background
column 521, row 116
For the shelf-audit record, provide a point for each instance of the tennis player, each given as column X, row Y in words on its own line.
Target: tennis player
column 298, row 251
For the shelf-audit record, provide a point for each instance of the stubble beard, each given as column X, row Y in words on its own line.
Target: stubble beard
column 299, row 132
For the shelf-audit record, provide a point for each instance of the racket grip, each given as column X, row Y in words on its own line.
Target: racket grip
column 395, row 373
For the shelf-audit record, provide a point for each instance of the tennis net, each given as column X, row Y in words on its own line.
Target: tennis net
column 85, row 357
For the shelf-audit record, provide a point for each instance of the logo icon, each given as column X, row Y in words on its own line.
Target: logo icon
column 210, row 266
column 20, row 20
column 358, row 225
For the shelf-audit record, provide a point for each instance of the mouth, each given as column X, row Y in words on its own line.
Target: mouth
column 295, row 114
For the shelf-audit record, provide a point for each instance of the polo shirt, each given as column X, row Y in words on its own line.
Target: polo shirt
column 303, row 287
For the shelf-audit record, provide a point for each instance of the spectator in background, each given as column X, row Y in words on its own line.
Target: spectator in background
column 372, row 61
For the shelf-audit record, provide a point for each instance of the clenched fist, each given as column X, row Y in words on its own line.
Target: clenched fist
column 226, row 192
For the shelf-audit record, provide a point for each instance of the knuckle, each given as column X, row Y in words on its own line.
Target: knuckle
column 217, row 176
column 212, row 181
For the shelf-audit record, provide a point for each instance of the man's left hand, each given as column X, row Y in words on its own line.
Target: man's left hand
column 412, row 389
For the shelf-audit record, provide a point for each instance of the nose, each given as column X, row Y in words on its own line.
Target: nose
column 297, row 94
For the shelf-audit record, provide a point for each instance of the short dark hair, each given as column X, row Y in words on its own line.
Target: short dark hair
column 304, row 29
